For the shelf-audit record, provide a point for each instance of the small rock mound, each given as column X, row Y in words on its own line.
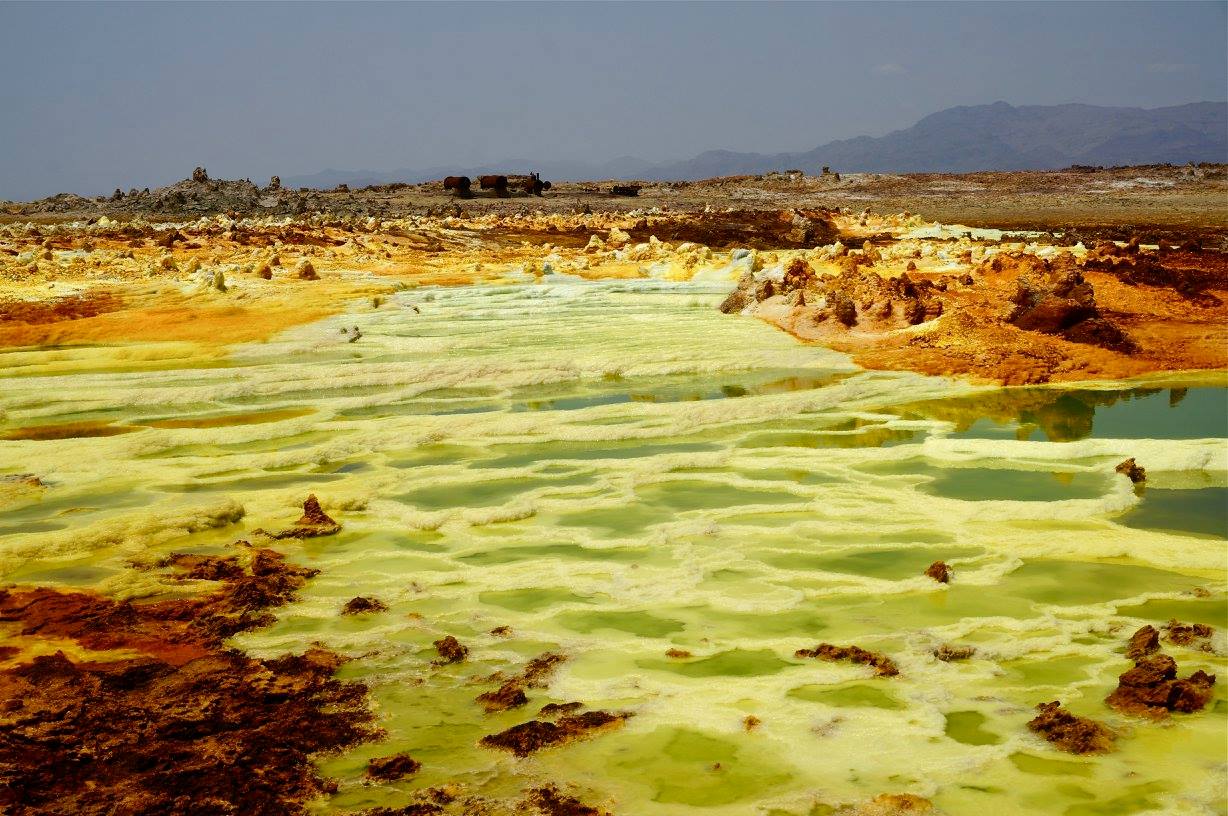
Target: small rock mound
column 1059, row 301
column 314, row 522
column 1077, row 735
column 1151, row 689
column 359, row 605
column 739, row 298
column 550, row 801
column 204, row 567
column 890, row 804
column 1143, row 642
column 947, row 653
column 305, row 271
column 1193, row 635
column 534, row 735
column 390, row 769
column 450, row 650
column 939, row 571
column 507, row 696
column 883, row 666
column 538, row 670
column 798, row 275
column 1132, row 471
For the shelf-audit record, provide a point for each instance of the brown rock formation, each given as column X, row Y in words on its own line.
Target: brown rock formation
column 1132, row 471
column 883, row 666
column 390, row 769
column 754, row 229
column 450, row 650
column 538, row 670
column 1151, row 689
column 892, row 804
column 361, row 604
column 1021, row 319
column 798, row 275
column 1077, row 735
column 1143, row 642
column 947, row 653
column 509, row 695
column 553, row 710
column 204, row 567
column 314, row 522
column 535, row 735
column 1060, row 301
column 550, row 801
column 741, row 297
column 184, row 726
column 1166, row 270
column 939, row 571
column 1193, row 635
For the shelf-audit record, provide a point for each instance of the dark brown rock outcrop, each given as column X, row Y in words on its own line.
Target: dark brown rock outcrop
column 179, row 723
column 1192, row 635
column 450, row 650
column 509, row 695
column 740, row 297
column 1059, row 301
column 1152, row 689
column 361, row 604
column 535, row 735
column 550, row 801
column 1077, row 735
column 1131, row 470
column 314, row 522
column 392, row 768
column 883, row 666
column 1142, row 643
column 947, row 653
column 1168, row 270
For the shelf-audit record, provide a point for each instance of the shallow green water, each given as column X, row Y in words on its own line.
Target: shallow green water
column 615, row 471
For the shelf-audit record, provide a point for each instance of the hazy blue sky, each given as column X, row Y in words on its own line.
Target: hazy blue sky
column 99, row 95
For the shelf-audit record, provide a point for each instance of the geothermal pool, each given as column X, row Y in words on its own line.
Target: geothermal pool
column 614, row 470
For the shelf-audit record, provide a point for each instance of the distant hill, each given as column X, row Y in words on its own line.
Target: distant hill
column 956, row 140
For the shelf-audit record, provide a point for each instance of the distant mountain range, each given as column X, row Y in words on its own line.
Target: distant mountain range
column 957, row 140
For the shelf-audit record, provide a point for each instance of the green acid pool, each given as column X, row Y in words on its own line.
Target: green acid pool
column 615, row 471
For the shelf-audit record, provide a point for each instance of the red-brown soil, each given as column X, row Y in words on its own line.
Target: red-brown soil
column 145, row 710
